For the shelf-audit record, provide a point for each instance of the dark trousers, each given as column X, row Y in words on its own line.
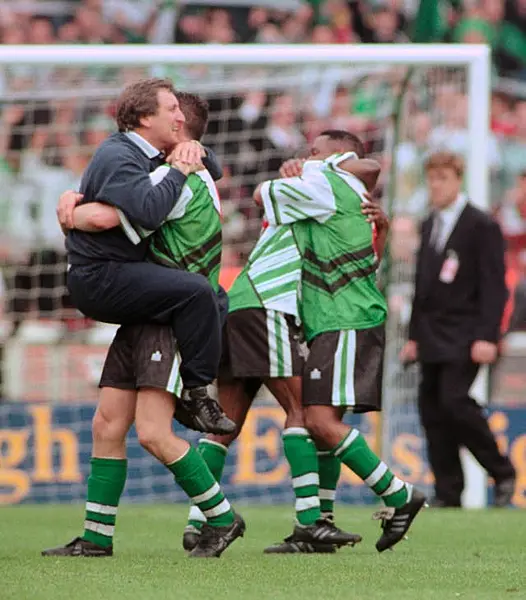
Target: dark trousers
column 451, row 419
column 138, row 293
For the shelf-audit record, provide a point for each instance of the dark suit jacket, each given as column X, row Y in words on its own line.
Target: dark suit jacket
column 448, row 317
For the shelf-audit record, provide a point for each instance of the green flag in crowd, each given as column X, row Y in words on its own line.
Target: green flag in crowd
column 431, row 20
column 506, row 39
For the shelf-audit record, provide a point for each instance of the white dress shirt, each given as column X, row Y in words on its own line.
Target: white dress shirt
column 448, row 218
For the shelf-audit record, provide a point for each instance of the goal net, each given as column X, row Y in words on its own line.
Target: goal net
column 266, row 105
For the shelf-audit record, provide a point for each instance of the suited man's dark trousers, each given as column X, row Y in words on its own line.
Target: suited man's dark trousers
column 451, row 420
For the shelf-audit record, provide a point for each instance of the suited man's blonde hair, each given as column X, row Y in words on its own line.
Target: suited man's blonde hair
column 445, row 160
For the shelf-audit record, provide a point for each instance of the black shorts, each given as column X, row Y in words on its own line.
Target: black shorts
column 143, row 356
column 345, row 369
column 262, row 344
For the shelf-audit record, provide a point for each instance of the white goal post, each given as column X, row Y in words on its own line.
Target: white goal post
column 474, row 58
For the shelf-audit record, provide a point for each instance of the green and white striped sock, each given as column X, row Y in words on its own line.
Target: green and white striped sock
column 300, row 453
column 214, row 455
column 193, row 475
column 330, row 468
column 354, row 452
column 105, row 485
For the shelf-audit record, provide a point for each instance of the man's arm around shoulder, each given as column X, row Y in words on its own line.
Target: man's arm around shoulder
column 121, row 181
column 294, row 199
column 95, row 216
column 212, row 164
column 366, row 170
column 90, row 217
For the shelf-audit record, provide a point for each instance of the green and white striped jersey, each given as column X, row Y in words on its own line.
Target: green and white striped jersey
column 190, row 238
column 271, row 278
column 338, row 281
column 272, row 275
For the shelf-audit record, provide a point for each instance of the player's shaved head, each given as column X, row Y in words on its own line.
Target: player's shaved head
column 339, row 140
column 332, row 141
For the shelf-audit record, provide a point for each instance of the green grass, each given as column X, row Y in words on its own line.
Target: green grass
column 450, row 554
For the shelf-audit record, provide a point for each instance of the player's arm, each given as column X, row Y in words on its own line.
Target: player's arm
column 91, row 217
column 133, row 230
column 192, row 151
column 366, row 170
column 212, row 164
column 95, row 216
column 66, row 205
column 295, row 199
column 376, row 216
column 127, row 187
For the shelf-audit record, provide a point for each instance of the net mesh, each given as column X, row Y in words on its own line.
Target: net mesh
column 53, row 119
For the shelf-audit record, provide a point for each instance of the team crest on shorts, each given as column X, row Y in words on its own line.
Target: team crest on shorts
column 315, row 374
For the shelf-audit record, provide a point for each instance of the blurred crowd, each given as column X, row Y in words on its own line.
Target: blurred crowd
column 52, row 118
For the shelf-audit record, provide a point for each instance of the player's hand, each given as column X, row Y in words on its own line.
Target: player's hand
column 187, row 152
column 374, row 214
column 409, row 353
column 187, row 168
column 291, row 168
column 66, row 206
column 483, row 352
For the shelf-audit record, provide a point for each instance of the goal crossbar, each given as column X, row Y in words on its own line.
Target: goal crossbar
column 239, row 54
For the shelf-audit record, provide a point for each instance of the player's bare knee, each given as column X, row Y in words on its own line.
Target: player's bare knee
column 319, row 423
column 293, row 411
column 106, row 427
column 114, row 415
column 287, row 391
column 150, row 438
column 149, row 442
column 99, row 426
column 295, row 417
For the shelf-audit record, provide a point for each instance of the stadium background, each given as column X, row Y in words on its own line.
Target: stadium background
column 52, row 119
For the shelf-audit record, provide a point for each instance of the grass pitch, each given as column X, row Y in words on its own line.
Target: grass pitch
column 474, row 555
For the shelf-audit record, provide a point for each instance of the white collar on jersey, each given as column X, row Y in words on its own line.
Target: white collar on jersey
column 334, row 160
column 312, row 165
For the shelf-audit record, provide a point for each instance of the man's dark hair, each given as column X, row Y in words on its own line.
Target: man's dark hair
column 195, row 110
column 350, row 142
column 140, row 100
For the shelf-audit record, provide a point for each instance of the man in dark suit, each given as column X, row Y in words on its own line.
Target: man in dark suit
column 460, row 293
